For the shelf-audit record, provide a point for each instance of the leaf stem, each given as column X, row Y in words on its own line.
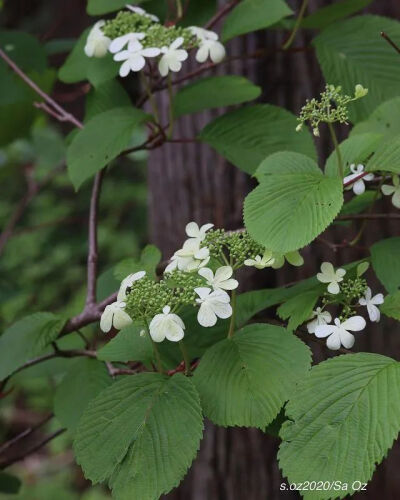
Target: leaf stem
column 186, row 358
column 150, row 96
column 233, row 317
column 179, row 10
column 337, row 149
column 296, row 26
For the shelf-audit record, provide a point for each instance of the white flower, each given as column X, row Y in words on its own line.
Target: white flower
column 97, row 43
column 167, row 325
column 221, row 280
column 293, row 258
column 261, row 262
column 190, row 257
column 338, row 334
column 195, row 232
column 213, row 304
column 212, row 49
column 114, row 316
column 127, row 283
column 329, row 275
column 142, row 12
column 172, row 58
column 321, row 318
column 359, row 186
column 394, row 190
column 371, row 303
column 135, row 58
column 132, row 39
column 202, row 33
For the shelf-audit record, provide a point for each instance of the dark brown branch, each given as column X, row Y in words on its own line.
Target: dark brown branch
column 25, row 433
column 390, row 42
column 221, row 13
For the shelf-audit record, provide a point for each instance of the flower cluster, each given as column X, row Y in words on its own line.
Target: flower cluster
column 135, row 36
column 330, row 108
column 350, row 293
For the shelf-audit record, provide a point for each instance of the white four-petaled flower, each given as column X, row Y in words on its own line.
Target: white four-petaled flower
column 167, row 326
column 197, row 233
column 209, row 46
column 371, row 303
column 172, row 57
column 319, row 317
column 213, row 304
column 114, row 316
column 329, row 275
column 190, row 257
column 127, row 283
column 130, row 39
column 97, row 43
column 339, row 334
column 267, row 260
column 142, row 12
column 359, row 184
column 387, row 190
column 221, row 280
column 134, row 58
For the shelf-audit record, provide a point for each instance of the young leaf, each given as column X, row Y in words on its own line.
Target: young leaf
column 141, row 427
column 27, row 339
column 391, row 306
column 298, row 309
column 246, row 380
column 384, row 120
column 351, row 405
column 329, row 14
column 102, row 139
column 128, row 345
column 342, row 50
column 85, row 379
column 214, row 92
column 386, row 263
column 294, row 203
column 253, row 15
column 247, row 135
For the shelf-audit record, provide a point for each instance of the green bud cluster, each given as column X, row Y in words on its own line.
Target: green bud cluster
column 215, row 241
column 147, row 298
column 354, row 288
column 183, row 285
column 157, row 35
column 347, row 311
column 241, row 246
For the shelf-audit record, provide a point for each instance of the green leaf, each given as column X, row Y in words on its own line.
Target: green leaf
column 391, row 306
column 78, row 66
column 384, row 120
column 108, row 95
column 27, row 339
column 386, row 263
column 253, row 15
column 358, row 204
column 102, row 139
column 356, row 149
column 351, row 405
column 247, row 135
column 9, row 484
column 329, row 14
column 128, row 345
column 214, row 92
column 387, row 157
column 24, row 49
column 196, row 13
column 298, row 308
column 149, row 260
column 141, row 427
column 85, row 380
column 294, row 203
column 246, row 380
column 353, row 51
column 99, row 7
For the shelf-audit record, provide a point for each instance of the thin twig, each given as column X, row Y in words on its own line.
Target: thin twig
column 296, row 26
column 220, row 14
column 390, row 42
column 25, row 433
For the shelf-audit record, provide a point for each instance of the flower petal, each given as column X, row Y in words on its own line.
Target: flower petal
column 203, row 292
column 333, row 342
column 223, row 273
column 355, row 324
column 192, row 229
column 333, row 288
column 347, row 339
column 206, row 273
column 322, row 331
column 206, row 315
column 359, row 187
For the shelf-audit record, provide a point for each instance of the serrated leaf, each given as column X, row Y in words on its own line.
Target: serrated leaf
column 247, row 135
column 214, row 92
column 329, row 14
column 391, row 306
column 143, row 426
column 108, row 95
column 128, row 345
column 298, row 309
column 385, row 120
column 386, row 263
column 353, row 51
column 351, row 404
column 359, row 203
column 253, row 15
column 355, row 149
column 245, row 380
column 386, row 157
column 27, row 339
column 293, row 205
column 85, row 380
column 102, row 139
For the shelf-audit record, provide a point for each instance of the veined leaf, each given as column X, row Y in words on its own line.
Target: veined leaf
column 329, row 14
column 246, row 380
column 386, row 263
column 294, row 204
column 298, row 309
column 108, row 95
column 128, row 345
column 391, row 306
column 387, row 156
column 385, row 120
column 351, row 404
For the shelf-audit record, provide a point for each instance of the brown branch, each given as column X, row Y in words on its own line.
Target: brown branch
column 221, row 13
column 25, row 433
column 390, row 42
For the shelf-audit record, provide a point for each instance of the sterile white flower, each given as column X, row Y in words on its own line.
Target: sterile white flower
column 320, row 318
column 114, row 316
column 394, row 190
column 259, row 262
column 212, row 49
column 294, row 258
column 142, row 12
column 329, row 275
column 338, row 334
column 203, row 34
column 198, row 233
column 359, row 185
column 371, row 303
column 127, row 283
column 213, row 304
column 191, row 256
column 221, row 280
column 134, row 60
column 172, row 57
column 132, row 39
column 97, row 43
column 167, row 326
